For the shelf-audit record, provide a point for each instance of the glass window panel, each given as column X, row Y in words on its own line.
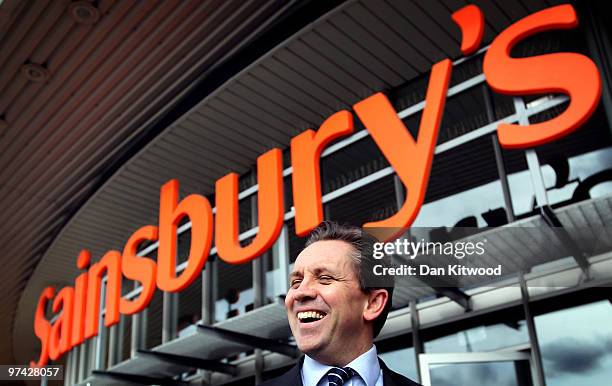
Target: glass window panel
column 411, row 93
column 183, row 245
column 464, row 186
column 463, row 113
column 486, row 374
column 288, row 193
column 234, row 289
column 274, row 287
column 503, row 105
column 551, row 41
column 296, row 243
column 154, row 320
column 481, row 338
column 578, row 166
column 576, row 345
column 519, row 182
column 401, row 361
column 373, row 202
column 466, row 70
column 350, row 164
column 126, row 341
column 190, row 308
column 245, row 213
column 276, row 269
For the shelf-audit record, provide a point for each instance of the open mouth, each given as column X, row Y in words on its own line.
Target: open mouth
column 310, row 316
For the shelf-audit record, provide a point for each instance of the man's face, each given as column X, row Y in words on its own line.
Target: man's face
column 325, row 305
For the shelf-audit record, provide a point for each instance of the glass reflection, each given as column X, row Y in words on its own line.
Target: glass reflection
column 401, row 361
column 576, row 345
column 483, row 374
column 481, row 338
column 234, row 285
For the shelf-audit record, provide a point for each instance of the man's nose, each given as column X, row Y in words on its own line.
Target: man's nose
column 305, row 291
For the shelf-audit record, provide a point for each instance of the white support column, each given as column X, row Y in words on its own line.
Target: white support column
column 67, row 369
column 74, row 364
column 280, row 253
column 99, row 351
column 139, row 332
column 83, row 360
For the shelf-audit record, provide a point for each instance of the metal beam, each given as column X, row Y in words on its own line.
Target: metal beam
column 417, row 343
column 273, row 345
column 536, row 355
column 499, row 159
column 456, row 295
column 134, row 378
column 564, row 237
column 187, row 361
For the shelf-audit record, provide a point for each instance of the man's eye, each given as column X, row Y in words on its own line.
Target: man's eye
column 295, row 283
column 325, row 279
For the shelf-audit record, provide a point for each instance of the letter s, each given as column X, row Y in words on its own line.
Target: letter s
column 140, row 269
column 565, row 72
column 42, row 327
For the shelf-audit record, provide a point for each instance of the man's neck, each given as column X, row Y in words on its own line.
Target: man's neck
column 344, row 359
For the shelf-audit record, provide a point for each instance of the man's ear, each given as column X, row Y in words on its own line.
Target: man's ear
column 377, row 299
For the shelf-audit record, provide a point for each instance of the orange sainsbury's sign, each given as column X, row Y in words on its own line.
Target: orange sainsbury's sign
column 569, row 73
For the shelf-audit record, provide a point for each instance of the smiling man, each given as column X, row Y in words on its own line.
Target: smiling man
column 336, row 306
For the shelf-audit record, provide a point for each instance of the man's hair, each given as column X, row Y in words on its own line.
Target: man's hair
column 362, row 244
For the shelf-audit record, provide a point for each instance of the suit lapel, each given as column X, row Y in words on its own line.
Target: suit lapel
column 387, row 380
column 293, row 376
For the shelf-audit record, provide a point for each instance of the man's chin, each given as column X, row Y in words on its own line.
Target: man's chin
column 310, row 346
column 320, row 353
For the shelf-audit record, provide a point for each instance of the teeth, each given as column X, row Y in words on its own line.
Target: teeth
column 310, row 315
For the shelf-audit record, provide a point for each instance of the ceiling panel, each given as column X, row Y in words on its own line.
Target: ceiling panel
column 108, row 81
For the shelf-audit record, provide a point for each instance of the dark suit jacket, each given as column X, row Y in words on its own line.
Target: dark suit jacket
column 293, row 377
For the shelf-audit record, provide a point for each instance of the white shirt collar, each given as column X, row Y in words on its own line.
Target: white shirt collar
column 366, row 365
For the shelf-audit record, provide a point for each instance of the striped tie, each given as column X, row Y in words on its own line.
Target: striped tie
column 338, row 375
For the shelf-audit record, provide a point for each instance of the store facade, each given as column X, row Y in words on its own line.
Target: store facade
column 217, row 313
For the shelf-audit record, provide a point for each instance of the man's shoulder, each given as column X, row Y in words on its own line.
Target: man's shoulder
column 278, row 381
column 291, row 377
